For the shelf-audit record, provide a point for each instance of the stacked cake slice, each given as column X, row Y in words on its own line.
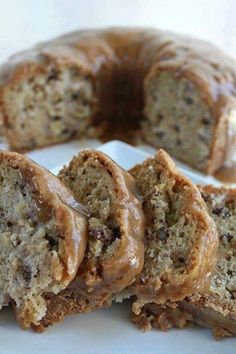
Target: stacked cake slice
column 115, row 250
column 181, row 238
column 68, row 243
column 42, row 237
column 73, row 243
column 216, row 308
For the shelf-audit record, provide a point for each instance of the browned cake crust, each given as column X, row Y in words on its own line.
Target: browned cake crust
column 71, row 301
column 42, row 236
column 115, row 252
column 184, row 314
column 181, row 238
column 217, row 308
column 81, row 82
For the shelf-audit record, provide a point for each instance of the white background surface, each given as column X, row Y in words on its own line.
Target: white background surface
column 105, row 331
column 24, row 22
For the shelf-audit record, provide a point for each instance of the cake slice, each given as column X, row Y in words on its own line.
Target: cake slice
column 115, row 252
column 217, row 308
column 42, row 237
column 181, row 238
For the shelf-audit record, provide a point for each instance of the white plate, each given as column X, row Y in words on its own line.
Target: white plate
column 106, row 331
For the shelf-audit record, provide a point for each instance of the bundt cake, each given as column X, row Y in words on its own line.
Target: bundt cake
column 43, row 236
column 217, row 308
column 169, row 90
column 115, row 251
column 181, row 238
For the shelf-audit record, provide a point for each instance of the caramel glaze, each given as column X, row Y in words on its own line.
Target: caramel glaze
column 121, row 61
column 53, row 199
